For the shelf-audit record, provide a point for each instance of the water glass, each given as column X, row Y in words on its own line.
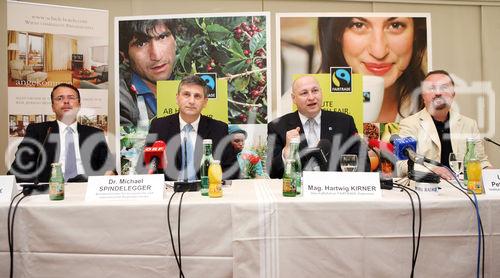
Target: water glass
column 456, row 161
column 349, row 162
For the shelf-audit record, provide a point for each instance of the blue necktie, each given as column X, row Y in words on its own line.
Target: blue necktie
column 189, row 172
column 70, row 160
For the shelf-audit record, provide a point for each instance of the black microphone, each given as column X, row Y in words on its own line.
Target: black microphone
column 491, row 141
column 28, row 188
column 318, row 154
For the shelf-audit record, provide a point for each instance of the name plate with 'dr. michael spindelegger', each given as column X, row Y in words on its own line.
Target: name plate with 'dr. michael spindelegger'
column 131, row 187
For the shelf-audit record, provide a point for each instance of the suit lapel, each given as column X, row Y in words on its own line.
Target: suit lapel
column 293, row 123
column 202, row 133
column 456, row 126
column 327, row 129
column 427, row 125
column 53, row 144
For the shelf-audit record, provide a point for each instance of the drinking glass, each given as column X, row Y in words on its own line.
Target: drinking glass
column 349, row 162
column 456, row 163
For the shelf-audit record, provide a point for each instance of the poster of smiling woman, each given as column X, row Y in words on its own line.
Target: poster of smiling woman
column 390, row 50
column 229, row 51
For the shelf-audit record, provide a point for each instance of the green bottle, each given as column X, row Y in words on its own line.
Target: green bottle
column 470, row 154
column 296, row 165
column 206, row 160
column 56, row 183
column 289, row 186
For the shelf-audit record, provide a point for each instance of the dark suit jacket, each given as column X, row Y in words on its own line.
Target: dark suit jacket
column 94, row 152
column 167, row 129
column 338, row 128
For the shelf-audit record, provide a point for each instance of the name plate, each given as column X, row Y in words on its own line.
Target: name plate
column 341, row 185
column 491, row 181
column 132, row 187
column 7, row 188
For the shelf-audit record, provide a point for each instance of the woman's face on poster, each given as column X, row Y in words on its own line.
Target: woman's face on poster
column 380, row 46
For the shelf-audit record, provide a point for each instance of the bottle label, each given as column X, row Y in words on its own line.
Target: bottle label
column 289, row 185
column 56, row 190
column 215, row 190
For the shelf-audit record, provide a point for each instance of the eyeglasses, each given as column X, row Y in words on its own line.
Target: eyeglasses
column 445, row 88
column 62, row 98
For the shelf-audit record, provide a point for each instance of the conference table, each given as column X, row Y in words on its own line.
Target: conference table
column 252, row 231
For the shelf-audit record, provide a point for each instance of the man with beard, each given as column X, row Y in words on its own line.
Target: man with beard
column 147, row 51
column 82, row 150
column 438, row 129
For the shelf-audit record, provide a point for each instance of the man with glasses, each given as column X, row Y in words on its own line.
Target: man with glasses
column 310, row 123
column 82, row 150
column 439, row 129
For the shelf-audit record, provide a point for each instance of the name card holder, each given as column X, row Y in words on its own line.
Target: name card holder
column 131, row 187
column 341, row 185
column 491, row 181
column 8, row 188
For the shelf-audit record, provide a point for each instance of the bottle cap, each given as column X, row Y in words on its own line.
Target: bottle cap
column 471, row 139
column 207, row 141
column 295, row 140
column 215, row 161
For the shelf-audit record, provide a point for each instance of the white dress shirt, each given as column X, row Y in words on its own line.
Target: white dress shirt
column 303, row 120
column 62, row 149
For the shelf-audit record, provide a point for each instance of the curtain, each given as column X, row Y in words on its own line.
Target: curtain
column 12, row 38
column 48, row 52
column 63, row 47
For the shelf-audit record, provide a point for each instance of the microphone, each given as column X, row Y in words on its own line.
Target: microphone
column 155, row 157
column 319, row 153
column 384, row 151
column 404, row 148
column 491, row 141
column 28, row 188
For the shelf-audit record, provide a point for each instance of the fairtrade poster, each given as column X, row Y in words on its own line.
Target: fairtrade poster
column 390, row 50
column 346, row 102
column 48, row 45
column 154, row 52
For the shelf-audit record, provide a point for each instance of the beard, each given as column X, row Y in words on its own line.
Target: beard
column 439, row 103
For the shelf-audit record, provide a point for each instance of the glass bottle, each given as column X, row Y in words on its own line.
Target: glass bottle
column 289, row 187
column 296, row 164
column 215, row 180
column 469, row 154
column 56, row 183
column 206, row 160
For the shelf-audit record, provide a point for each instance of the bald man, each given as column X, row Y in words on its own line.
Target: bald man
column 310, row 123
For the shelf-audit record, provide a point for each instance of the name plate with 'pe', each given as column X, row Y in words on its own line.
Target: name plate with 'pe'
column 341, row 185
column 491, row 181
column 133, row 187
column 7, row 188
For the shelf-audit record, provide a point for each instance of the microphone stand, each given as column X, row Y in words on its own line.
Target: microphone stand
column 185, row 184
column 491, row 141
column 28, row 188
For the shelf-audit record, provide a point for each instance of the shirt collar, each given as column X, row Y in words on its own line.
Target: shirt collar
column 62, row 126
column 193, row 124
column 303, row 119
column 139, row 84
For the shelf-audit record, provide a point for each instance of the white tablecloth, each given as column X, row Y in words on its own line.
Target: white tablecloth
column 252, row 231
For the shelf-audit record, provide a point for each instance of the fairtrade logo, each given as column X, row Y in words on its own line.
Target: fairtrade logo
column 211, row 82
column 341, row 79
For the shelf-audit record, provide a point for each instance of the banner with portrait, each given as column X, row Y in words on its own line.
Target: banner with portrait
column 48, row 45
column 155, row 52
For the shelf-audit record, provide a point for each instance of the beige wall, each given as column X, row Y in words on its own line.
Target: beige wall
column 465, row 38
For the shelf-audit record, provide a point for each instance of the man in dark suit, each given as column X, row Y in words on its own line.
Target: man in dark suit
column 82, row 150
column 189, row 128
column 310, row 123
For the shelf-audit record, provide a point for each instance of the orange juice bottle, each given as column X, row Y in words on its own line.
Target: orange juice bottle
column 215, row 180
column 474, row 176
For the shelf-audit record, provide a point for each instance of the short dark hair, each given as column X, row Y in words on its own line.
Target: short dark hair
column 193, row 80
column 64, row 85
column 140, row 29
column 443, row 72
